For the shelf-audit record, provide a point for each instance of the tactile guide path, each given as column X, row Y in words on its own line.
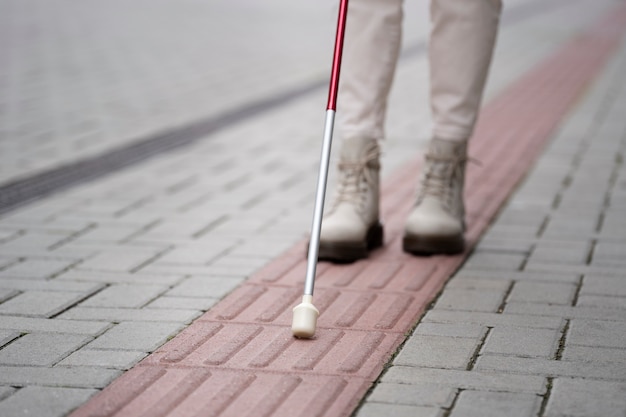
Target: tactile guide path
column 240, row 359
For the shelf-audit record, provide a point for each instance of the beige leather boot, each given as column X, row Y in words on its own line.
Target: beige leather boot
column 351, row 226
column 436, row 224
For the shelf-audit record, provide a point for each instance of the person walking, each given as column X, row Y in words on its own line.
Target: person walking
column 461, row 44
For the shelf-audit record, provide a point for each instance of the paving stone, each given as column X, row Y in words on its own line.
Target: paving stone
column 597, row 333
column 121, row 278
column 496, row 260
column 561, row 252
column 158, row 268
column 474, row 300
column 136, row 336
column 41, row 349
column 129, row 314
column 124, row 296
column 475, row 379
column 112, row 359
column 547, row 367
column 594, row 354
column 44, row 401
column 29, row 325
column 600, row 301
column 538, row 292
column 183, row 303
column 496, row 404
column 492, row 319
column 205, row 286
column 603, row 285
column 75, row 377
column 563, row 277
column 604, row 269
column 437, row 352
column 33, row 268
column 565, row 311
column 201, row 253
column 40, row 303
column 376, row 409
column 30, row 243
column 585, row 397
column 522, row 341
column 609, row 252
column 451, row 330
column 120, row 260
column 49, row 285
column 412, row 394
column 504, row 231
column 508, row 245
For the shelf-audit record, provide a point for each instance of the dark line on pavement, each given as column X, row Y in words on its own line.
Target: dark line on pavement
column 40, row 185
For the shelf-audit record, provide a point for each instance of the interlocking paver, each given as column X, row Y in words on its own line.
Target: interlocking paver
column 400, row 410
column 522, row 341
column 597, row 333
column 412, row 394
column 125, row 296
column 40, row 349
column 40, row 303
column 492, row 319
column 486, row 404
column 437, row 352
column 139, row 336
column 582, row 397
column 539, row 292
column 112, row 359
column 215, row 286
column 121, row 260
column 36, row 269
column 44, row 401
column 566, row 312
column 546, row 367
column 77, row 377
column 472, row 299
column 600, row 301
column 521, row 276
column 477, row 380
column 129, row 314
column 594, row 354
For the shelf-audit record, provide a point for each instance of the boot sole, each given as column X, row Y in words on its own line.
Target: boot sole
column 433, row 245
column 345, row 252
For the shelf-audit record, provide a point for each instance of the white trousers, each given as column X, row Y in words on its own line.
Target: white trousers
column 461, row 43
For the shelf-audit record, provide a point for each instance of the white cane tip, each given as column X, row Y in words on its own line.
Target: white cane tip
column 304, row 320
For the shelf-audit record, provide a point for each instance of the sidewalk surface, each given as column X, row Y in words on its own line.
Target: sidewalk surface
column 155, row 272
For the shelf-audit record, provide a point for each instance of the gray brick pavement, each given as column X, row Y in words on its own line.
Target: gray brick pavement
column 496, row 404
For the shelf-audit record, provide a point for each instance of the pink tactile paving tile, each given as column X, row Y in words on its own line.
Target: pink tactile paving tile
column 239, row 359
column 201, row 392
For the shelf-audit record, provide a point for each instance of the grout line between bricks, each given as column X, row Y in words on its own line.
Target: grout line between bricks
column 546, row 397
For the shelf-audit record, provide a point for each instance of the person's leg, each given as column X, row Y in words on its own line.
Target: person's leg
column 372, row 42
column 462, row 40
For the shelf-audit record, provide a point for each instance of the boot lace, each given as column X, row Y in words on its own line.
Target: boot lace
column 356, row 178
column 438, row 180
